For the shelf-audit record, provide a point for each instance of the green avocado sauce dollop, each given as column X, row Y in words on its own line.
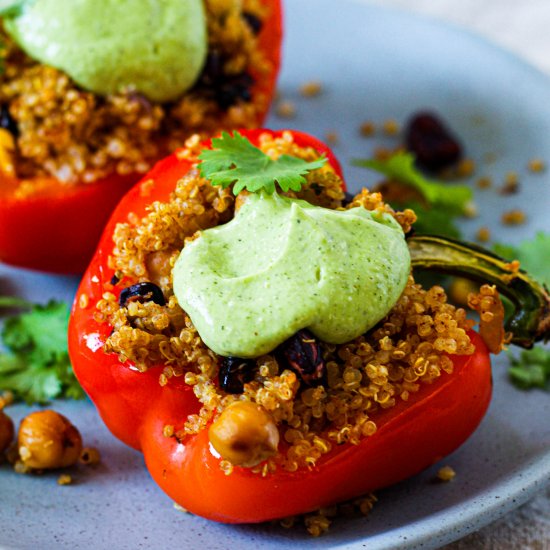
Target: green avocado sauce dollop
column 282, row 265
column 156, row 47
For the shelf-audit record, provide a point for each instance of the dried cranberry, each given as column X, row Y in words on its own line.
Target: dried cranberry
column 213, row 68
column 142, row 292
column 235, row 373
column 302, row 354
column 232, row 89
column 253, row 21
column 348, row 198
column 224, row 89
column 433, row 144
column 7, row 122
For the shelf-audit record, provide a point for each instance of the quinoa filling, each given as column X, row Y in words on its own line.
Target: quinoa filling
column 409, row 348
column 60, row 130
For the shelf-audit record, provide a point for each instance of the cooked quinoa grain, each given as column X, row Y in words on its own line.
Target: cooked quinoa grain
column 65, row 479
column 311, row 89
column 77, row 136
column 446, row 474
column 514, row 217
column 405, row 351
column 536, row 166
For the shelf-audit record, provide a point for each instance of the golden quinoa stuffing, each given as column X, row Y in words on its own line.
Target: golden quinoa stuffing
column 75, row 135
column 389, row 364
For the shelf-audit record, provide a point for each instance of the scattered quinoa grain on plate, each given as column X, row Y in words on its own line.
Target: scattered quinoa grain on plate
column 536, row 165
column 312, row 88
column 285, row 109
column 446, row 473
column 367, row 129
column 516, row 216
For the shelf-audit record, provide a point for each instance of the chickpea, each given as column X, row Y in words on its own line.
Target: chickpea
column 244, row 434
column 48, row 440
column 6, row 431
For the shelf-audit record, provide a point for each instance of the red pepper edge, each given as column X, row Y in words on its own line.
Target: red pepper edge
column 57, row 230
column 411, row 435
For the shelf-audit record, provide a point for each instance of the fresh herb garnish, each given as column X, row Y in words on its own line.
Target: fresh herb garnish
column 36, row 366
column 531, row 369
column 533, row 255
column 234, row 160
column 441, row 202
column 13, row 8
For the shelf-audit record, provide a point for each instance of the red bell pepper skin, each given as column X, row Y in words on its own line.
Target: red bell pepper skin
column 411, row 436
column 57, row 228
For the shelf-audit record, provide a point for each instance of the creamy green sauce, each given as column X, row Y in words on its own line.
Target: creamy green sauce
column 282, row 265
column 157, row 47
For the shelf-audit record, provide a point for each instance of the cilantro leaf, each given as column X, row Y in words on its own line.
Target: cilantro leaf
column 234, row 160
column 531, row 369
column 13, row 8
column 12, row 301
column 36, row 366
column 400, row 167
column 533, row 255
column 433, row 221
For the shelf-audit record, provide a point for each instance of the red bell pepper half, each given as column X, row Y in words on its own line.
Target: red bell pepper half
column 57, row 228
column 136, row 408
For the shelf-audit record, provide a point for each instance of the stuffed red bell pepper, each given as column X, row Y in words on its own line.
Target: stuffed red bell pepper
column 257, row 333
column 92, row 95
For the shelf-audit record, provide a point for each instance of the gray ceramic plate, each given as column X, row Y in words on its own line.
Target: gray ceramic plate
column 375, row 64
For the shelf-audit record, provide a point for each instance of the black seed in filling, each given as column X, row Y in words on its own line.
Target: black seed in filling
column 254, row 22
column 142, row 292
column 225, row 90
column 213, row 68
column 302, row 354
column 234, row 89
column 348, row 198
column 235, row 373
column 7, row 122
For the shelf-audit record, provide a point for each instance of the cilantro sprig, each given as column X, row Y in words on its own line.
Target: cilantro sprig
column 533, row 255
column 35, row 365
column 12, row 8
column 233, row 160
column 531, row 369
column 441, row 202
